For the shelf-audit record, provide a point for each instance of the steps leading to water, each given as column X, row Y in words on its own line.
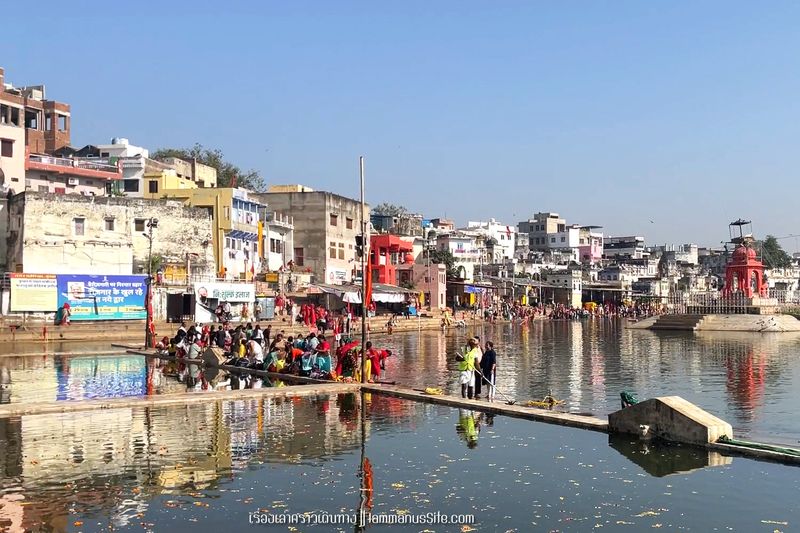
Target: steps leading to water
column 677, row 322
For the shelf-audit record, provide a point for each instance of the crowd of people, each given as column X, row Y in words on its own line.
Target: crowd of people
column 523, row 313
column 308, row 354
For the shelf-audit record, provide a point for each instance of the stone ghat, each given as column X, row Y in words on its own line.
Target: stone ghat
column 719, row 322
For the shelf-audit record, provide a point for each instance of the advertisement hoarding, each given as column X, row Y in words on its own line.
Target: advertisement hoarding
column 33, row 292
column 103, row 297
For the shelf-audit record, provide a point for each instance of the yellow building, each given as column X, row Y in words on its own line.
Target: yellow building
column 237, row 225
column 156, row 184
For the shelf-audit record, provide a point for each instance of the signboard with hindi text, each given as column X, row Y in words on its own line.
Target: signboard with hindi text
column 33, row 292
column 210, row 295
column 103, row 297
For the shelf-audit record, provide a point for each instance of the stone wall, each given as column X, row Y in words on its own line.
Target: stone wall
column 45, row 234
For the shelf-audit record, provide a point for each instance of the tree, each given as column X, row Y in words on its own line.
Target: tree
column 387, row 209
column 773, row 255
column 446, row 258
column 228, row 174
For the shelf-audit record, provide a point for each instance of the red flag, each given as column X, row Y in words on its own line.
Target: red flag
column 367, row 285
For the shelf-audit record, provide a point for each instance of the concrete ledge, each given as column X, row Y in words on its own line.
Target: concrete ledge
column 671, row 418
column 498, row 407
column 9, row 410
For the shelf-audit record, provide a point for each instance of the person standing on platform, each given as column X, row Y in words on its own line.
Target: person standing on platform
column 466, row 367
column 489, row 369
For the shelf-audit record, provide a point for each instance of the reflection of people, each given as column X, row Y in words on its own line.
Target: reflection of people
column 467, row 427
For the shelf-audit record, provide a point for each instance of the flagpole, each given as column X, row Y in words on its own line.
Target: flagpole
column 365, row 251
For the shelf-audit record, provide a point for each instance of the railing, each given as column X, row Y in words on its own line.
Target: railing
column 103, row 165
column 715, row 302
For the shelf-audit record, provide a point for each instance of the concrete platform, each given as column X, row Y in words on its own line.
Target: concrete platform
column 498, row 407
column 670, row 418
column 719, row 322
column 9, row 410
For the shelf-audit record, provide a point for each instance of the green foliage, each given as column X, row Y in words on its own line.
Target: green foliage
column 387, row 209
column 226, row 171
column 773, row 255
column 155, row 263
column 446, row 258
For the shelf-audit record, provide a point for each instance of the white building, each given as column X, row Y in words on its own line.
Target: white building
column 464, row 248
column 504, row 239
column 278, row 241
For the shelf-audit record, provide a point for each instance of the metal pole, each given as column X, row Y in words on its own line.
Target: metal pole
column 147, row 340
column 364, row 252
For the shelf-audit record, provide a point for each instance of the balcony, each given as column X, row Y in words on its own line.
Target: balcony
column 89, row 168
column 278, row 220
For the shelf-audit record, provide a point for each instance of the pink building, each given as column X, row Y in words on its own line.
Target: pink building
column 590, row 245
column 427, row 280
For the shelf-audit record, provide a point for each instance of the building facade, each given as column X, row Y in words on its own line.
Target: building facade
column 73, row 234
column 237, row 224
column 325, row 230
column 502, row 239
column 540, row 229
column 387, row 253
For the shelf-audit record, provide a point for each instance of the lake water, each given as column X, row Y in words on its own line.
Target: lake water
column 208, row 466
column 747, row 379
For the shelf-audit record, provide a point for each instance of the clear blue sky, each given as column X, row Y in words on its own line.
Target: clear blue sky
column 610, row 113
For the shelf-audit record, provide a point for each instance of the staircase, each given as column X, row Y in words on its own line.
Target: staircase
column 677, row 322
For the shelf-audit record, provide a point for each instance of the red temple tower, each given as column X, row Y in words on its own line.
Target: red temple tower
column 744, row 273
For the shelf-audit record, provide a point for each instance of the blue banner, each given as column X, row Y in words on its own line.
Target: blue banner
column 103, row 297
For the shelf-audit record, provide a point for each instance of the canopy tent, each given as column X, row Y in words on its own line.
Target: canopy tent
column 380, row 293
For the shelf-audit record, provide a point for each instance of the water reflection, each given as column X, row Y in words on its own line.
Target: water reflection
column 203, row 466
column 746, row 379
column 660, row 459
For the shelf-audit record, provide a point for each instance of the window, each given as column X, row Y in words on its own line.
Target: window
column 334, row 220
column 130, row 185
column 332, row 251
column 138, row 224
column 563, row 239
column 109, row 224
column 341, row 250
column 348, row 223
column 48, row 122
column 43, row 188
column 227, row 212
column 552, row 239
column 6, row 148
column 103, row 154
column 298, row 257
column 152, row 187
column 79, row 225
column 62, row 123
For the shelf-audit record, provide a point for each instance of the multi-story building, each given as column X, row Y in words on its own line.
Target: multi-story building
column 387, row 252
column 466, row 252
column 428, row 279
column 278, row 241
column 65, row 175
column 540, row 229
column 46, row 122
column 237, row 223
column 501, row 236
column 29, row 123
column 73, row 234
column 325, row 230
column 590, row 245
column 617, row 247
